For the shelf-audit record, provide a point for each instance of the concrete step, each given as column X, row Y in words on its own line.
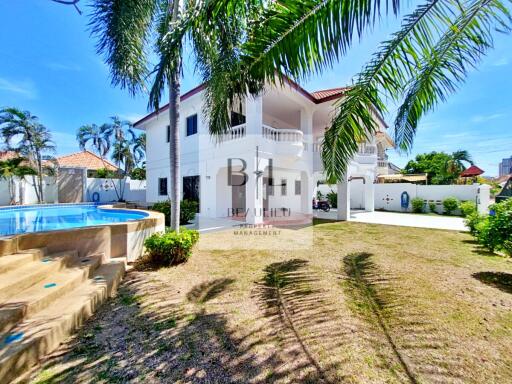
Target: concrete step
column 24, row 276
column 43, row 332
column 37, row 297
column 10, row 262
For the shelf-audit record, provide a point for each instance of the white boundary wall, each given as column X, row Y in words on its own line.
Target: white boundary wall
column 135, row 190
column 388, row 196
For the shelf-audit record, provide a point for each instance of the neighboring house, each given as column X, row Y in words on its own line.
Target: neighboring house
column 273, row 144
column 8, row 155
column 505, row 167
column 85, row 159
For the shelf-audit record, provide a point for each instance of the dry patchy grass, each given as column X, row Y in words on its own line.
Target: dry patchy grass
column 340, row 303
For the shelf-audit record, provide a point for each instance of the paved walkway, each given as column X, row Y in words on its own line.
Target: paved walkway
column 402, row 219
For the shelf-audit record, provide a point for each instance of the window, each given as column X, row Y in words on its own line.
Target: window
column 192, row 125
column 168, row 134
column 283, row 187
column 270, row 187
column 237, row 119
column 162, row 186
column 297, row 187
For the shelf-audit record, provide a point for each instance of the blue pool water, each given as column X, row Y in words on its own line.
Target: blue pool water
column 15, row 220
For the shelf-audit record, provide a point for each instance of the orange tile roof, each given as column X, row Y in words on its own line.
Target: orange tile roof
column 8, row 155
column 85, row 159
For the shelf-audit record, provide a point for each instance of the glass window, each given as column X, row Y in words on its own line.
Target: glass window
column 162, row 186
column 283, row 187
column 168, row 137
column 297, row 187
column 192, row 125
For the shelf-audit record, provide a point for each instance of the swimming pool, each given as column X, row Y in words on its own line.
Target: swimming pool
column 29, row 219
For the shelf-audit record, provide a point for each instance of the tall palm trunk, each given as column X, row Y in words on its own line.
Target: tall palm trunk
column 174, row 148
column 174, row 140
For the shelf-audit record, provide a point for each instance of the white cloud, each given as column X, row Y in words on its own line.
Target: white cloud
column 484, row 118
column 24, row 88
column 56, row 66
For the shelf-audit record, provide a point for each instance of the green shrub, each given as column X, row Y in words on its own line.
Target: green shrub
column 467, row 208
column 472, row 222
column 332, row 197
column 495, row 231
column 417, row 205
column 170, row 248
column 432, row 207
column 188, row 209
column 450, row 204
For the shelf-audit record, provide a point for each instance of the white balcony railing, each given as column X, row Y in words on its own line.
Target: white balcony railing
column 366, row 150
column 382, row 163
column 234, row 133
column 282, row 135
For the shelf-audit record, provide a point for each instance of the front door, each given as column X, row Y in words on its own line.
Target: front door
column 238, row 195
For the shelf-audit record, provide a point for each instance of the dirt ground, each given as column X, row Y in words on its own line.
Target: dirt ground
column 336, row 303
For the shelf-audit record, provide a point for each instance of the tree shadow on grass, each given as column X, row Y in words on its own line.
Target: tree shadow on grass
column 500, row 280
column 148, row 334
column 406, row 342
column 302, row 328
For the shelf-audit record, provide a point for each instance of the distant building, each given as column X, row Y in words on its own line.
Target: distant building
column 506, row 167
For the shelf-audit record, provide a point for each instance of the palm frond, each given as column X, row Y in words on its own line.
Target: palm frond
column 123, row 29
column 446, row 67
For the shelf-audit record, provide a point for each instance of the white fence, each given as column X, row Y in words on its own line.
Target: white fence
column 134, row 190
column 388, row 196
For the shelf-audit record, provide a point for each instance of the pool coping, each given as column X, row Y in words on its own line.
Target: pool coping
column 122, row 239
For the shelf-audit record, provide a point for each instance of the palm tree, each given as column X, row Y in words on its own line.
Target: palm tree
column 93, row 136
column 455, row 165
column 11, row 168
column 23, row 133
column 125, row 30
column 139, row 148
column 418, row 67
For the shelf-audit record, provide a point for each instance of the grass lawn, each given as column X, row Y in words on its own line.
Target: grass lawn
column 363, row 304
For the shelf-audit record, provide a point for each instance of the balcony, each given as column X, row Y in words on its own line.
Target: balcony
column 234, row 133
column 284, row 141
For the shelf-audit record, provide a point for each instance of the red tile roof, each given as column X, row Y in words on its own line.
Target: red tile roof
column 85, row 159
column 330, row 94
column 472, row 171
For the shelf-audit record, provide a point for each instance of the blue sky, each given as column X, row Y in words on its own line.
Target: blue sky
column 48, row 65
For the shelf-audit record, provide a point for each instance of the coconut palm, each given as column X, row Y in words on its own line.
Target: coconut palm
column 125, row 30
column 418, row 67
column 23, row 133
column 12, row 168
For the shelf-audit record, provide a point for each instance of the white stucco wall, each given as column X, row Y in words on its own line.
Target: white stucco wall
column 387, row 196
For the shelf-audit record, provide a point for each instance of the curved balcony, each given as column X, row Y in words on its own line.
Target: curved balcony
column 286, row 141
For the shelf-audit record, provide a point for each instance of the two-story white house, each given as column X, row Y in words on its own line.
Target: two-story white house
column 268, row 164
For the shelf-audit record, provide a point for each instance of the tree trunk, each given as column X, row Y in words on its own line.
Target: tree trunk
column 12, row 191
column 40, row 178
column 174, row 148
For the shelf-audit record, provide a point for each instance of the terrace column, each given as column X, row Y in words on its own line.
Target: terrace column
column 306, row 193
column 254, row 190
column 254, row 115
column 306, row 125
column 344, row 199
column 369, row 194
